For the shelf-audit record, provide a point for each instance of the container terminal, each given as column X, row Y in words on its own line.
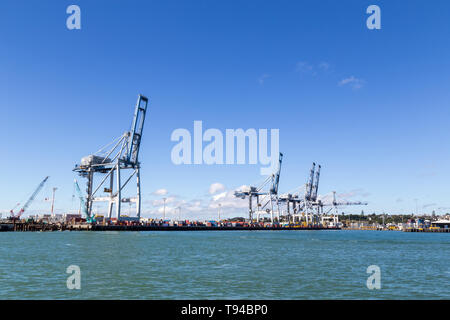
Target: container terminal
column 108, row 171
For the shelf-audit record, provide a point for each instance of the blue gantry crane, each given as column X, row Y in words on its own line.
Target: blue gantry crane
column 110, row 162
column 308, row 207
column 303, row 206
column 263, row 197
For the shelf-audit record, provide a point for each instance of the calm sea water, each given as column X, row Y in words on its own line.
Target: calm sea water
column 225, row 265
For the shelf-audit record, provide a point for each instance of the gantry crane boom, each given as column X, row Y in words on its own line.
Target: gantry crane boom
column 316, row 185
column 347, row 203
column 137, row 126
column 276, row 178
column 309, row 184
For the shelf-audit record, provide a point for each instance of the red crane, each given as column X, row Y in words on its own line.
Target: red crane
column 29, row 201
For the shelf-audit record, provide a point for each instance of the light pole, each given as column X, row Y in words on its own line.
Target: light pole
column 164, row 214
column 219, row 212
column 53, row 199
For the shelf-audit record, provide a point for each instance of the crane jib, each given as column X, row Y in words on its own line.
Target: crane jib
column 32, row 197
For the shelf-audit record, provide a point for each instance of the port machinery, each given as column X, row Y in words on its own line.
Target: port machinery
column 111, row 163
column 309, row 207
column 89, row 217
column 265, row 199
column 29, row 201
column 335, row 205
column 301, row 207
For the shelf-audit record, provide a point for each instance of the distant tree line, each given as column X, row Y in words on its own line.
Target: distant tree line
column 379, row 218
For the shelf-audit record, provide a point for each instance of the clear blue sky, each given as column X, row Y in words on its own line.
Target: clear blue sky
column 371, row 106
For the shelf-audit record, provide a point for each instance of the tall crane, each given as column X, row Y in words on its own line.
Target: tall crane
column 263, row 197
column 29, row 201
column 112, row 162
column 308, row 201
column 310, row 198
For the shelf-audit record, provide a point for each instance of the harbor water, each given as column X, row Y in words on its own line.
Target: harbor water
column 225, row 265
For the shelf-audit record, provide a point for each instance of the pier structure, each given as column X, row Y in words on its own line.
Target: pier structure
column 265, row 198
column 116, row 164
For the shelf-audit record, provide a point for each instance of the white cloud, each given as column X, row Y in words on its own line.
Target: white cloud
column 228, row 200
column 160, row 192
column 263, row 78
column 216, row 187
column 352, row 81
column 324, row 66
column 203, row 208
column 160, row 202
column 353, row 193
column 304, row 67
column 326, row 198
column 312, row 69
column 219, row 196
column 243, row 188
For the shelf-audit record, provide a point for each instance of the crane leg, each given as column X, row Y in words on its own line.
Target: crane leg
column 271, row 210
column 250, row 212
column 119, row 192
column 111, row 200
column 138, row 196
column 89, row 192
